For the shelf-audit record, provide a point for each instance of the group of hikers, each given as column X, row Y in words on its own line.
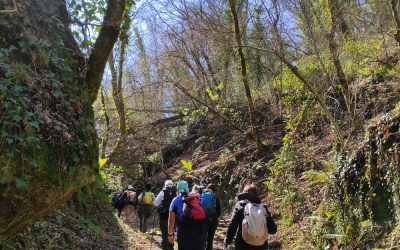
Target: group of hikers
column 193, row 216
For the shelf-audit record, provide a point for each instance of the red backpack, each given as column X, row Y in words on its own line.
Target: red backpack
column 192, row 209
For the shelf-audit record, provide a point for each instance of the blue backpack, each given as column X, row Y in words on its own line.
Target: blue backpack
column 208, row 202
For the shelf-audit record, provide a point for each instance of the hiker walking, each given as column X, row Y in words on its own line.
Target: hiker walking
column 195, row 189
column 212, row 206
column 163, row 201
column 250, row 221
column 203, row 185
column 190, row 217
column 117, row 201
column 145, row 207
column 129, row 202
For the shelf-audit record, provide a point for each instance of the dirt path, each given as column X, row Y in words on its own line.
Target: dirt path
column 152, row 239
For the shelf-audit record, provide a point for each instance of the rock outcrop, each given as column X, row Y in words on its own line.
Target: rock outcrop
column 48, row 144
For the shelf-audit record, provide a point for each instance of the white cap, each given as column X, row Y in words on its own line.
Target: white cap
column 168, row 183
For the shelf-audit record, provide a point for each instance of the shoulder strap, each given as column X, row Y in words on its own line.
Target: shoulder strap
column 143, row 193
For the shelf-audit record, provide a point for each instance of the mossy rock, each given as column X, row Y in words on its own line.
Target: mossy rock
column 48, row 143
column 368, row 182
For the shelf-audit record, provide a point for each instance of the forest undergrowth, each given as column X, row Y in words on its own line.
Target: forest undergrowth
column 301, row 178
column 300, row 97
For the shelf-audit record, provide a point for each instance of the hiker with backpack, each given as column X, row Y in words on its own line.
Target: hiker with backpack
column 145, row 207
column 190, row 217
column 212, row 206
column 203, row 185
column 129, row 201
column 163, row 201
column 117, row 201
column 195, row 189
column 250, row 221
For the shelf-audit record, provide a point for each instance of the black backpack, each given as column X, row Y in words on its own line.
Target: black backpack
column 169, row 195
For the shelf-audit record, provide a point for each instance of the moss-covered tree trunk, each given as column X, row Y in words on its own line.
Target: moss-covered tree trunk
column 48, row 143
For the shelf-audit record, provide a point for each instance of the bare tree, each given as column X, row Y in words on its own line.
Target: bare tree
column 254, row 126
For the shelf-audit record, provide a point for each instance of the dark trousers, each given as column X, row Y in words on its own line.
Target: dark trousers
column 144, row 212
column 191, row 237
column 164, row 234
column 143, row 222
column 212, row 225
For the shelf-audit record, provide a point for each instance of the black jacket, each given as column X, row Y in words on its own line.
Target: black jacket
column 235, row 222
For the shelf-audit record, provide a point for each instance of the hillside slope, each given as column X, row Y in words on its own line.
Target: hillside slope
column 318, row 196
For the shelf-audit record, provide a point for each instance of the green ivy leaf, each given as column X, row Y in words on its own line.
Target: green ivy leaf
column 17, row 89
column 5, row 67
column 20, row 183
column 34, row 124
column 34, row 164
column 16, row 118
column 32, row 139
column 57, row 93
column 4, row 133
column 75, row 158
column 57, row 128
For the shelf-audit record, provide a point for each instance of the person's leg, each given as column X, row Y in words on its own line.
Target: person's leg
column 119, row 207
column 164, row 233
column 193, row 237
column 123, row 214
column 203, row 237
column 129, row 214
column 198, row 239
column 141, row 218
column 149, row 210
column 211, row 228
column 146, row 219
column 182, row 239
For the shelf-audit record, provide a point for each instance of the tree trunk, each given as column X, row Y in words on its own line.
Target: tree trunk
column 254, row 127
column 107, row 129
column 48, row 148
column 118, row 101
column 394, row 4
column 117, row 91
column 104, row 43
column 343, row 82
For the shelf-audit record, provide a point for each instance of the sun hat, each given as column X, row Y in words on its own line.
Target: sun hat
column 182, row 187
